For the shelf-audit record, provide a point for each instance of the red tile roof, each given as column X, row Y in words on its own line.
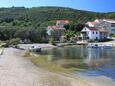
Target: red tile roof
column 63, row 21
column 93, row 23
column 95, row 29
column 92, row 28
column 55, row 27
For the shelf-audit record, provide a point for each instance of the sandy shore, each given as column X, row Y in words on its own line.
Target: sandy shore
column 16, row 70
column 46, row 46
column 43, row 46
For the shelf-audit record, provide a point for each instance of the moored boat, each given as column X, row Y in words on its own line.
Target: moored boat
column 99, row 46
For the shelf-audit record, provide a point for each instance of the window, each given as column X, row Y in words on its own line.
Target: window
column 96, row 38
column 96, row 32
column 93, row 32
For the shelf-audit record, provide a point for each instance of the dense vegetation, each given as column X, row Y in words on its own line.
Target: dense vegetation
column 31, row 23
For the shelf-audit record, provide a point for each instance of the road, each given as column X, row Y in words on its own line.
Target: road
column 16, row 70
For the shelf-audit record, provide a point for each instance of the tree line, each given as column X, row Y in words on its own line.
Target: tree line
column 31, row 23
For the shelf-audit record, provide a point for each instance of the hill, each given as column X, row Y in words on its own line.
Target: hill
column 16, row 21
column 43, row 14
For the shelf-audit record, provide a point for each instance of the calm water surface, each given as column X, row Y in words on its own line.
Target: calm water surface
column 100, row 61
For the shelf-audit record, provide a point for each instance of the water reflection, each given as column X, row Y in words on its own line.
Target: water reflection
column 94, row 57
column 100, row 61
column 97, row 56
column 64, row 53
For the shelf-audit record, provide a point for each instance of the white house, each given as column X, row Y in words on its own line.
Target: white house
column 91, row 24
column 91, row 33
column 94, row 23
column 54, row 28
column 55, row 31
column 62, row 22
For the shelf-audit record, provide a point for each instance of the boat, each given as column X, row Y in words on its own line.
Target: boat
column 35, row 49
column 99, row 46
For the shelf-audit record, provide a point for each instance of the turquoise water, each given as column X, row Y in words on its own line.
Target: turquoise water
column 99, row 61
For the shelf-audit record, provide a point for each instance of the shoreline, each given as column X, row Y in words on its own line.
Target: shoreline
column 97, row 80
column 83, row 80
column 91, row 81
column 43, row 46
column 19, row 71
column 47, row 46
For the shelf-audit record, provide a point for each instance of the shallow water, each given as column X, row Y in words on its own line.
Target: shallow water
column 99, row 61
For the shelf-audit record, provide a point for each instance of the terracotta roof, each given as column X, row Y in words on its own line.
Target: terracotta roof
column 63, row 21
column 92, row 28
column 93, row 23
column 95, row 29
column 55, row 27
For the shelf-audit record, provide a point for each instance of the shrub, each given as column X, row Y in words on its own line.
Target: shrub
column 14, row 41
column 52, row 41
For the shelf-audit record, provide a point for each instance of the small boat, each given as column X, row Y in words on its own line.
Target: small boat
column 35, row 49
column 93, row 46
column 107, row 46
column 98, row 46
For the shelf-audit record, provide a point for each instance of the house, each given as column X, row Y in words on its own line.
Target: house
column 110, row 24
column 62, row 22
column 107, row 24
column 94, row 23
column 91, row 24
column 92, row 33
column 55, row 31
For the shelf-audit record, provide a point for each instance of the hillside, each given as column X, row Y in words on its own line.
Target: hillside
column 38, row 15
column 43, row 14
column 36, row 20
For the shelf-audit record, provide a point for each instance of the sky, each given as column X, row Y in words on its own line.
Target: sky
column 89, row 5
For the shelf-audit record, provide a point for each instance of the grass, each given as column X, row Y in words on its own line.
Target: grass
column 63, row 65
